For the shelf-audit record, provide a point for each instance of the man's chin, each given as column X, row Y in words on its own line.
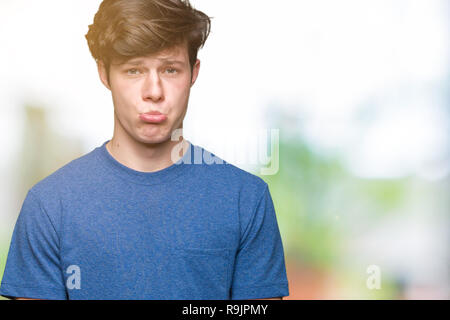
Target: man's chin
column 155, row 140
column 157, row 136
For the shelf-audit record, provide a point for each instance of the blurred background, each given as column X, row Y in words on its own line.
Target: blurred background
column 359, row 91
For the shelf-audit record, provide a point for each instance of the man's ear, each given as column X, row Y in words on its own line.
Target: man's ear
column 103, row 74
column 195, row 71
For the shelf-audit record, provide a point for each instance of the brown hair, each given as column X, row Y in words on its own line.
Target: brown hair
column 125, row 29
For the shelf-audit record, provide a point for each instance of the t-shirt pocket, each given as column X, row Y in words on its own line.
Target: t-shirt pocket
column 202, row 273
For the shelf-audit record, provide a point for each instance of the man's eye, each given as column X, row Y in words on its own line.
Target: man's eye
column 132, row 71
column 171, row 70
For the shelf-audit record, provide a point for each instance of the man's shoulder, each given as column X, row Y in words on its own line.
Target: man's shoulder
column 219, row 169
column 65, row 177
column 48, row 194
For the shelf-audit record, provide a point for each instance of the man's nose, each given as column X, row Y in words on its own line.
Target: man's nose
column 152, row 88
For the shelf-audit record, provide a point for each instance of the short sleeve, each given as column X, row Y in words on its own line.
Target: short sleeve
column 33, row 267
column 259, row 269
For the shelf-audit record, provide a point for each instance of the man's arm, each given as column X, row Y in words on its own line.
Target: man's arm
column 259, row 268
column 33, row 257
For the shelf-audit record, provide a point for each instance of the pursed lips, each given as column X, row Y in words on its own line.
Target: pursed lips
column 153, row 117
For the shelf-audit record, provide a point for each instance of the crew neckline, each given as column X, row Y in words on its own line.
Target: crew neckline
column 146, row 178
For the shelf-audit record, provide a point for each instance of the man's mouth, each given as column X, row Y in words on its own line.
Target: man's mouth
column 153, row 117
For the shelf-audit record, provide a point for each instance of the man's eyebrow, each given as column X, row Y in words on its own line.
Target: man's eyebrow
column 140, row 62
column 171, row 61
column 133, row 63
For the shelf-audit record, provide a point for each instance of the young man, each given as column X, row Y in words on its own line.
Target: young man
column 144, row 216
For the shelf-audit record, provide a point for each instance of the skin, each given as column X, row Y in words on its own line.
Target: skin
column 153, row 85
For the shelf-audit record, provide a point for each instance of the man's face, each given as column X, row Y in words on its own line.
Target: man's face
column 158, row 83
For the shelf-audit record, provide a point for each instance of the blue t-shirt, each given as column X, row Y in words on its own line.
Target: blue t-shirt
column 96, row 229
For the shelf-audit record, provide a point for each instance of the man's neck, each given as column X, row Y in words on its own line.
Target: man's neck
column 145, row 157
